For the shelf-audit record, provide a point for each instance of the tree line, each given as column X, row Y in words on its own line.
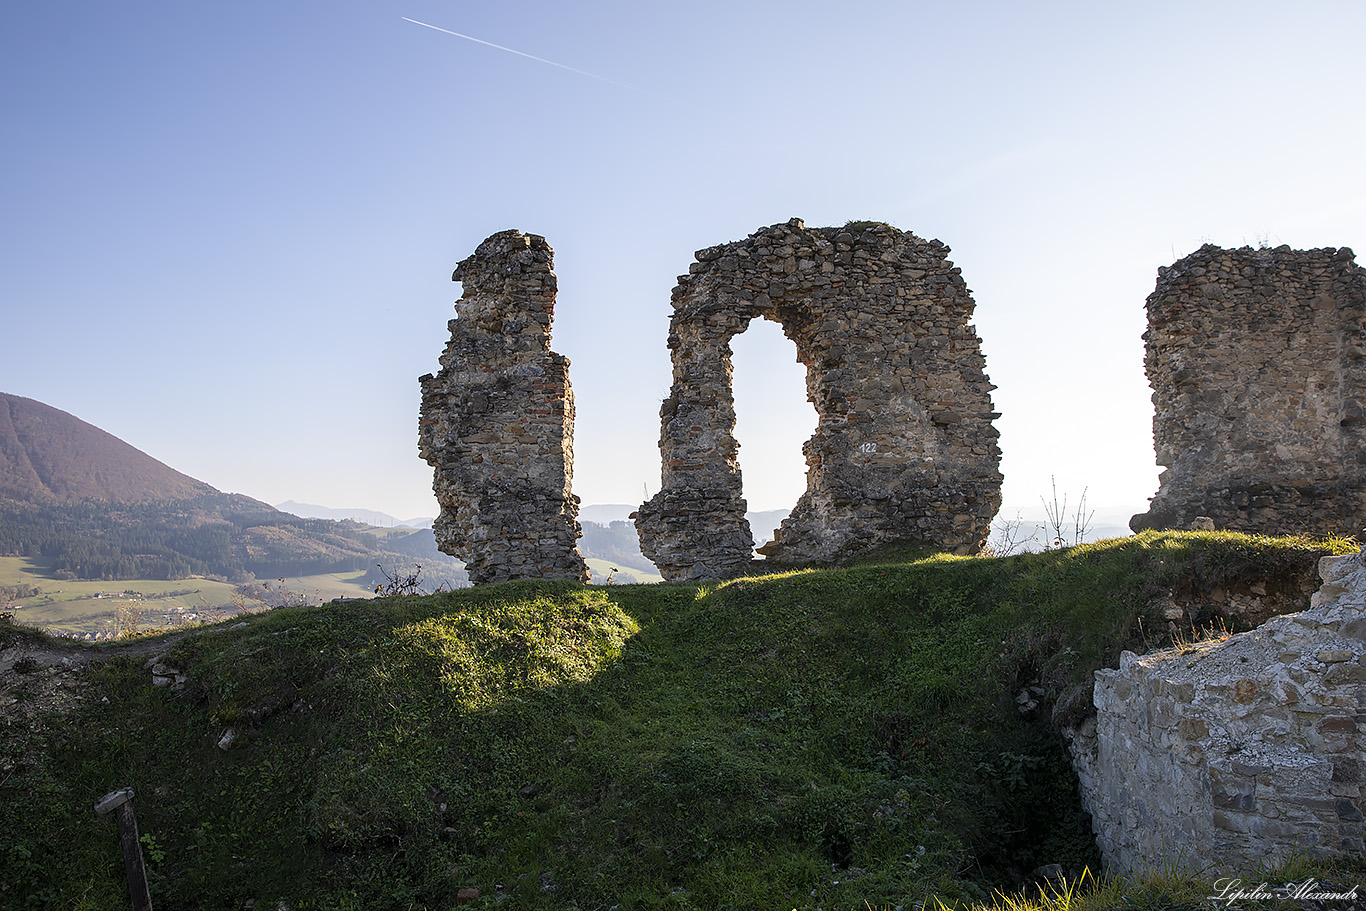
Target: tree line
column 219, row 535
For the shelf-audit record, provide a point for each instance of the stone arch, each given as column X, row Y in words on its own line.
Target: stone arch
column 905, row 448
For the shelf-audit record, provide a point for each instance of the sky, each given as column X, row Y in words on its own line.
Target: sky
column 227, row 230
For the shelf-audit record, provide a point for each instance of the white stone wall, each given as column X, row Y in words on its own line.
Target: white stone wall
column 1226, row 753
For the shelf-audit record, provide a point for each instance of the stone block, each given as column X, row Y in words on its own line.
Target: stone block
column 1347, row 810
column 1336, row 725
column 1193, row 729
column 1346, row 769
column 1229, row 822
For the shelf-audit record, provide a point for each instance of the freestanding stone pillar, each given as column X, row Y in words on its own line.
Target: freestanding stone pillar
column 497, row 421
column 905, row 449
column 1257, row 359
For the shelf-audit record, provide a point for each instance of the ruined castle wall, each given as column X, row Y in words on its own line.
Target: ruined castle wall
column 1257, row 364
column 905, row 448
column 1228, row 753
column 497, row 421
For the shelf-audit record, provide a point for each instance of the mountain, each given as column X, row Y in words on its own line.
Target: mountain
column 606, row 513
column 47, row 455
column 364, row 516
column 85, row 505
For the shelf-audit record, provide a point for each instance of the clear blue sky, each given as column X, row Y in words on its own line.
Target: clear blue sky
column 227, row 230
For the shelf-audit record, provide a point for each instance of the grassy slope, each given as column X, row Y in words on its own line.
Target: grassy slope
column 814, row 739
column 602, row 571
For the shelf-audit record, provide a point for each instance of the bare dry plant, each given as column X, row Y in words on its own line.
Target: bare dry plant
column 1057, row 519
column 1007, row 538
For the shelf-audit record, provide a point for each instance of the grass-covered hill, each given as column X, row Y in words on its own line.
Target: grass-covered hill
column 817, row 739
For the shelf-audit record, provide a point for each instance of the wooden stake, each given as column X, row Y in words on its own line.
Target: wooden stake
column 121, row 803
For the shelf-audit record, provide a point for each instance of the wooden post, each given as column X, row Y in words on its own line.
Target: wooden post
column 121, row 803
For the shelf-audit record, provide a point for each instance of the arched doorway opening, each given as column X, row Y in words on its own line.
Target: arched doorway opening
column 773, row 418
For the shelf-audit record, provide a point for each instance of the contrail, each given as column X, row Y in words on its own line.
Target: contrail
column 518, row 53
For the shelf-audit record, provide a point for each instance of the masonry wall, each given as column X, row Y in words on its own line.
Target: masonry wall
column 497, row 421
column 1228, row 753
column 905, row 448
column 1258, row 370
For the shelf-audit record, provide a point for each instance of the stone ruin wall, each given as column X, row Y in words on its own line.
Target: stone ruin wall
column 905, row 448
column 1213, row 754
column 1227, row 753
column 1258, row 369
column 497, row 421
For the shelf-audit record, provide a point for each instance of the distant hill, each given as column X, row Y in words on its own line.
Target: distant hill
column 88, row 506
column 364, row 516
column 606, row 513
column 47, row 454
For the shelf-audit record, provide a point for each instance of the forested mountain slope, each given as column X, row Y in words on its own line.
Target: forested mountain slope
column 89, row 506
column 47, row 454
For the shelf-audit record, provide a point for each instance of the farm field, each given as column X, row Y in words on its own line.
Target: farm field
column 99, row 609
column 90, row 609
column 602, row 569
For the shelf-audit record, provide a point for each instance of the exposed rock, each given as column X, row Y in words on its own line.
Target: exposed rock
column 497, row 421
column 1257, row 359
column 905, row 450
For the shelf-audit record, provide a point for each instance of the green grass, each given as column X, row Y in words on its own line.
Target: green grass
column 1169, row 889
column 811, row 739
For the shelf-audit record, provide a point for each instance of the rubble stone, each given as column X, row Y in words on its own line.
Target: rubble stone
column 1224, row 754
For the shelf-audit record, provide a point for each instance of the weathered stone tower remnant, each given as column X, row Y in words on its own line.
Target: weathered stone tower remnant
column 1257, row 360
column 905, row 449
column 497, row 422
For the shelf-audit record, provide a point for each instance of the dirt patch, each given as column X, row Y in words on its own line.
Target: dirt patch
column 44, row 675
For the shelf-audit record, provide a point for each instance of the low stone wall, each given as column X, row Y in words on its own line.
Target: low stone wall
column 1226, row 753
